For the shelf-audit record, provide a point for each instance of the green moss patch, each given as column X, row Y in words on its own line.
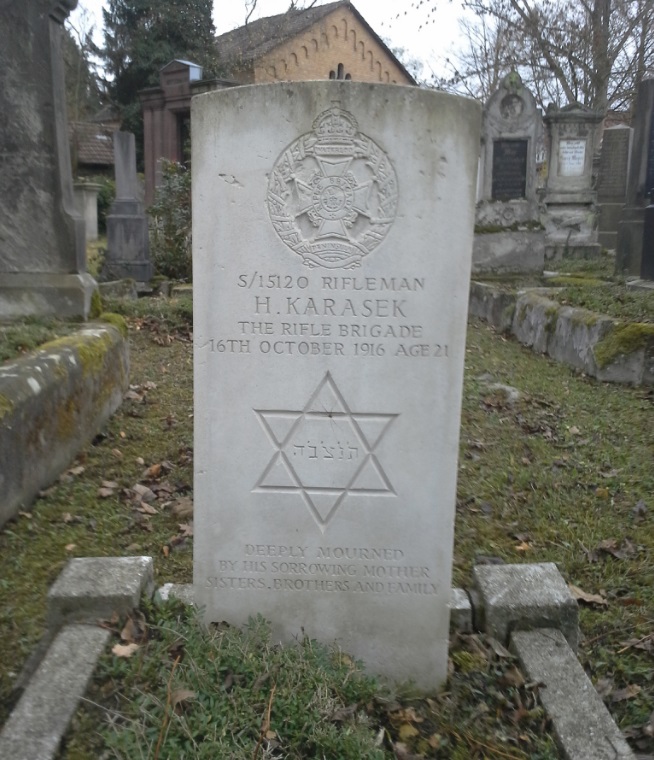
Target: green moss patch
column 116, row 320
column 622, row 341
column 20, row 338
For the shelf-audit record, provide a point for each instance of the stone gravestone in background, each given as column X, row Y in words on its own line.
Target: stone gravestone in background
column 612, row 182
column 640, row 186
column 332, row 233
column 508, row 209
column 128, row 243
column 42, row 256
column 571, row 223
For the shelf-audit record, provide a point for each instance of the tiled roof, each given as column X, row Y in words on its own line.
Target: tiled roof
column 93, row 143
column 256, row 38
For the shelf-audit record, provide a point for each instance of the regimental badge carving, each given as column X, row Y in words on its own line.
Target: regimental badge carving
column 332, row 194
column 324, row 453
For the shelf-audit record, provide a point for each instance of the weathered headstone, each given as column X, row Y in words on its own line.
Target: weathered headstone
column 42, row 256
column 612, row 181
column 332, row 244
column 508, row 211
column 128, row 245
column 86, row 198
column 571, row 220
column 640, row 186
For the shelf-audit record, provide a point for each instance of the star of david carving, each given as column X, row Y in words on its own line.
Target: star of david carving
column 324, row 452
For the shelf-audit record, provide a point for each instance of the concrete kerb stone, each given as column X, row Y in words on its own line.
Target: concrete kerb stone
column 40, row 719
column 524, row 597
column 583, row 727
column 95, row 587
column 566, row 334
column 58, row 673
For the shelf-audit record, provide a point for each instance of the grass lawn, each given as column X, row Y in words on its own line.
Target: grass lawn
column 563, row 473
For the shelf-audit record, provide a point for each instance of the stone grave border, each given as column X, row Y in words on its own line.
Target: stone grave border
column 525, row 607
column 52, row 403
column 573, row 336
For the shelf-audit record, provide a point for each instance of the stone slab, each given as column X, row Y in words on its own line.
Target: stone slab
column 329, row 328
column 492, row 304
column 460, row 611
column 24, row 294
column 518, row 597
column 508, row 253
column 95, row 587
column 37, row 724
column 184, row 592
column 583, row 727
column 53, row 403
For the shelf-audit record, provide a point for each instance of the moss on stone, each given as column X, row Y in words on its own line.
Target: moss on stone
column 551, row 318
column 590, row 282
column 623, row 340
column 585, row 318
column 116, row 320
column 91, row 352
column 66, row 420
column 6, row 405
column 96, row 305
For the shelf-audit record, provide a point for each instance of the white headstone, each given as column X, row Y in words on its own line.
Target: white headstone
column 332, row 234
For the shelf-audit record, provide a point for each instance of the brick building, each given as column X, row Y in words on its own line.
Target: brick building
column 331, row 41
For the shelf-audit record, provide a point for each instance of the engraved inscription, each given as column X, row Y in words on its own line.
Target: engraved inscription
column 572, row 158
column 324, row 452
column 331, row 569
column 332, row 194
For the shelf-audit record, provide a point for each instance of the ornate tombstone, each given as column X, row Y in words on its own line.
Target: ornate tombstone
column 508, row 214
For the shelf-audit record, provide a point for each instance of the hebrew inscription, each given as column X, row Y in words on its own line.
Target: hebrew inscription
column 324, row 452
column 332, row 194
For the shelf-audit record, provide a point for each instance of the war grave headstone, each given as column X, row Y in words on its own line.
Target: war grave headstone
column 332, row 243
column 640, row 185
column 42, row 256
column 128, row 243
column 571, row 219
column 612, row 182
column 508, row 213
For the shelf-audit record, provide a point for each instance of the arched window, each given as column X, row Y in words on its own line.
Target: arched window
column 340, row 73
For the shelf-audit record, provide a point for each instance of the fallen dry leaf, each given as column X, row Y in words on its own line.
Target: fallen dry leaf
column 124, row 650
column 70, row 547
column 77, row 470
column 183, row 508
column 152, row 473
column 186, row 529
column 181, row 695
column 146, row 509
column 602, row 493
column 143, row 492
column 135, row 629
column 582, row 596
column 407, row 731
column 629, row 692
column 105, row 493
